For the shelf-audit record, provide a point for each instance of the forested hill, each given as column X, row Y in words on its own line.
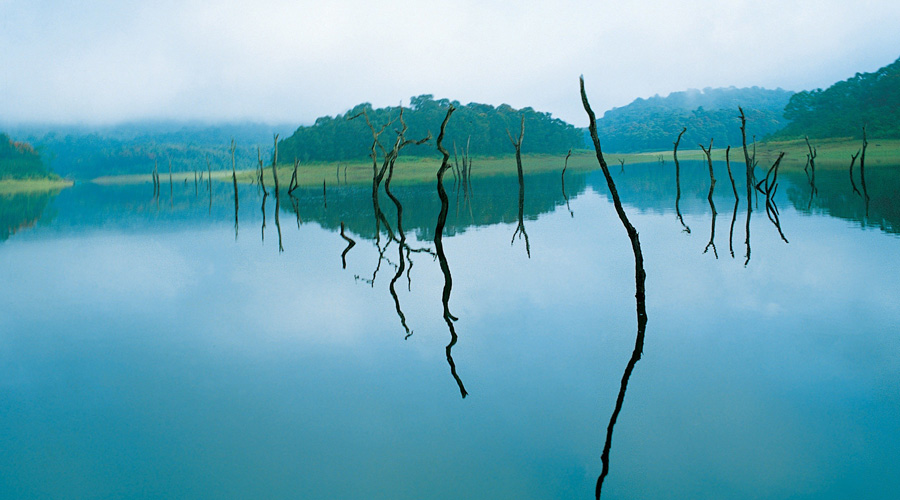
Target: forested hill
column 653, row 124
column 871, row 99
column 482, row 126
column 18, row 160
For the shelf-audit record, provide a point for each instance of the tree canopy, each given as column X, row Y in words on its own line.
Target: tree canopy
column 652, row 124
column 19, row 160
column 871, row 99
column 482, row 126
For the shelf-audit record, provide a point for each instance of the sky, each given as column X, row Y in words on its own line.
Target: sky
column 275, row 61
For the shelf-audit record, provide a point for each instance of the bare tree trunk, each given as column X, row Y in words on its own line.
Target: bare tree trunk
column 234, row 180
column 639, row 279
column 812, row 166
column 678, row 182
column 852, row 161
column 520, row 228
column 712, row 177
column 728, row 166
column 747, row 161
column 862, row 170
column 442, row 258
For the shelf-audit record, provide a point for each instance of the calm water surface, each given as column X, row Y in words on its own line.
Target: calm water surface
column 155, row 349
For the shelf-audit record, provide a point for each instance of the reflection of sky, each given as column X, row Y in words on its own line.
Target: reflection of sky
column 187, row 364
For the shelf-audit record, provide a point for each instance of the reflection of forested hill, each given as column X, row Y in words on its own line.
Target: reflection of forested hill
column 22, row 211
column 645, row 187
column 836, row 197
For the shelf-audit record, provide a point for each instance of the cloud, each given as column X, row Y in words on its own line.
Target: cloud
column 275, row 60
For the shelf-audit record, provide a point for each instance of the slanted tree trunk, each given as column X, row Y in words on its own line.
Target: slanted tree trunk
column 678, row 182
column 728, row 166
column 852, row 161
column 639, row 279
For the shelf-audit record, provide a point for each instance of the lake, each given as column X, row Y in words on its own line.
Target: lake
column 174, row 347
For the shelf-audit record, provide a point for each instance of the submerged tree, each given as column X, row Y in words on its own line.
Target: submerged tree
column 639, row 279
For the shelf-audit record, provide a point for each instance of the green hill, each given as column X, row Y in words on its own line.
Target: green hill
column 482, row 126
column 19, row 160
column 871, row 99
column 653, row 124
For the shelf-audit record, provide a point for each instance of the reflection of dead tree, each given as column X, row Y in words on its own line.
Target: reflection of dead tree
column 439, row 248
column 155, row 176
column 731, row 231
column 622, row 163
column 678, row 182
column 350, row 244
column 563, row 178
column 172, row 189
column 769, row 186
column 520, row 228
column 639, row 278
column 852, row 161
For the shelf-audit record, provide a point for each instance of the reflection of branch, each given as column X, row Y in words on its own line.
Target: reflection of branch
column 712, row 230
column 640, row 296
column 852, row 161
column 442, row 258
column 862, row 170
column 747, row 231
column 350, row 244
column 731, row 231
column 234, row 180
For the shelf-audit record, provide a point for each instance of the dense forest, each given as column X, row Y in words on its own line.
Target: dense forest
column 871, row 99
column 482, row 126
column 134, row 148
column 652, row 124
column 19, row 160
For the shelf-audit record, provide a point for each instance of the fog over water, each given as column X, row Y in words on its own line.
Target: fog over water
column 278, row 61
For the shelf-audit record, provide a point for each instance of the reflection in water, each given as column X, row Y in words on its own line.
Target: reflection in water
column 401, row 247
column 640, row 296
column 22, row 211
column 350, row 244
column 439, row 248
column 263, row 207
column 731, row 231
column 678, row 182
column 769, row 187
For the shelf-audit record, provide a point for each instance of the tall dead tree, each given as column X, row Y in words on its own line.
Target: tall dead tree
column 852, row 161
column 234, row 180
column 811, row 163
column 712, row 176
column 862, row 170
column 520, row 228
column 639, row 279
column 439, row 249
column 728, row 167
column 274, row 165
column 678, row 182
column 747, row 160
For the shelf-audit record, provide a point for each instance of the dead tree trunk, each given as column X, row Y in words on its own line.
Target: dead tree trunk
column 862, row 170
column 747, row 160
column 812, row 166
column 439, row 249
column 728, row 166
column 563, row 179
column 520, row 228
column 678, row 182
column 234, row 180
column 639, row 279
column 274, row 165
column 852, row 161
column 712, row 176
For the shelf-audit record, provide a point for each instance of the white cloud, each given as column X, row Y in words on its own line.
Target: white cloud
column 293, row 61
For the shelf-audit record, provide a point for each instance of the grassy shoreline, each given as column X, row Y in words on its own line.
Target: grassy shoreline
column 831, row 153
column 19, row 186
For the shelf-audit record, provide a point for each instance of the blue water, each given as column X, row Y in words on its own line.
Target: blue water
column 147, row 351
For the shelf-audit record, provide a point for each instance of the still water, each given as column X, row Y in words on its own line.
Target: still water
column 155, row 348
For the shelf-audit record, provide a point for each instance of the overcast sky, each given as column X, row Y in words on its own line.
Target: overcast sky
column 292, row 61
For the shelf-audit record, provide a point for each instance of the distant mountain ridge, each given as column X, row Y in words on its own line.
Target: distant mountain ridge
column 653, row 124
